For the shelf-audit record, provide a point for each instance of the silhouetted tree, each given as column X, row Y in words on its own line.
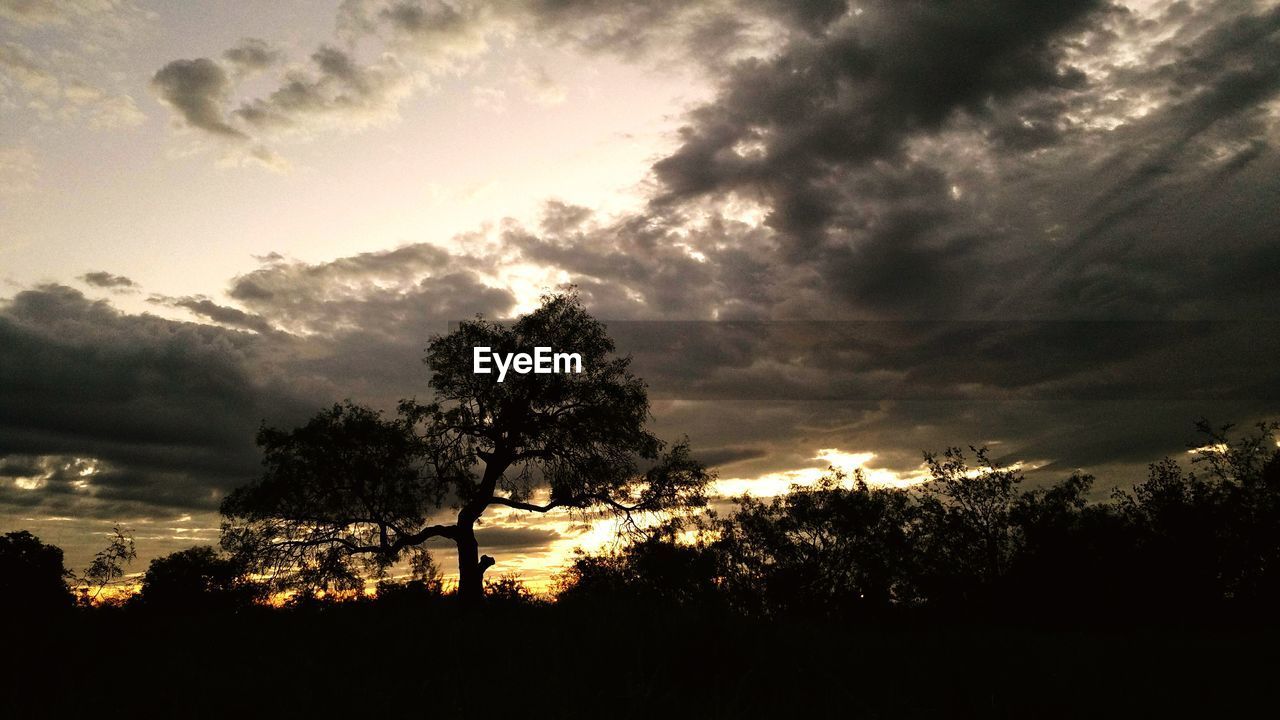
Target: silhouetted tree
column 32, row 577
column 1244, row 471
column 824, row 548
column 424, row 584
column 351, row 492
column 107, row 567
column 1199, row 538
column 511, row 591
column 967, row 537
column 196, row 579
column 651, row 574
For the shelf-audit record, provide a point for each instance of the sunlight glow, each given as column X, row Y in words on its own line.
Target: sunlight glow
column 779, row 483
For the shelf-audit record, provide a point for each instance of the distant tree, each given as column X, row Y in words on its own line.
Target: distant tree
column 32, row 577
column 1069, row 552
column 1201, row 537
column 652, row 573
column 352, row 492
column 967, row 536
column 197, row 579
column 107, row 567
column 424, row 586
column 510, row 590
column 825, row 548
column 1244, row 470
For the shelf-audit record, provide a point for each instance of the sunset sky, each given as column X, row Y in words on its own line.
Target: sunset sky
column 828, row 232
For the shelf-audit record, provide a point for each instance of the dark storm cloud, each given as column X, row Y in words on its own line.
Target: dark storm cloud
column 198, row 91
column 168, row 409
column 1007, row 163
column 962, row 160
column 107, row 280
column 854, row 94
column 164, row 412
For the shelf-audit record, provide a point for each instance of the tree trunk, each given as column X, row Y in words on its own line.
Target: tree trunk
column 470, row 574
column 471, row 565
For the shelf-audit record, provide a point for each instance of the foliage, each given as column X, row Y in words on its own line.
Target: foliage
column 822, row 548
column 973, row 540
column 107, row 567
column 32, row 576
column 350, row 493
column 653, row 572
column 197, row 579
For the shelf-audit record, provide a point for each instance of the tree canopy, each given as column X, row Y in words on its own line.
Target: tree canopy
column 197, row 578
column 31, row 574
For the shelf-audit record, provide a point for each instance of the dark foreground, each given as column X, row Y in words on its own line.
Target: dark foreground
column 536, row 662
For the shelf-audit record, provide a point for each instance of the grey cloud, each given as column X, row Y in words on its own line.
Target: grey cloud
column 198, row 90
column 437, row 28
column 168, row 408
column 340, row 87
column 856, row 93
column 387, row 292
column 725, row 456
column 107, row 280
column 252, row 55
column 223, row 314
column 511, row 538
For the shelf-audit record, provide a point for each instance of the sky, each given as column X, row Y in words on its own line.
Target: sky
column 828, row 232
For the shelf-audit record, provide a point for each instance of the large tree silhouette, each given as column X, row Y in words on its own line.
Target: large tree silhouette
column 32, row 576
column 352, row 492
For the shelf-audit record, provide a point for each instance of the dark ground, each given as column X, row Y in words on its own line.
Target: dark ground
column 541, row 662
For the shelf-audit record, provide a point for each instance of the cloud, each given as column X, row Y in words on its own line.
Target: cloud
column 437, row 32
column 416, row 43
column 221, row 314
column 514, row 538
column 340, row 88
column 58, row 93
column 107, row 280
column 252, row 55
column 167, row 409
column 198, row 90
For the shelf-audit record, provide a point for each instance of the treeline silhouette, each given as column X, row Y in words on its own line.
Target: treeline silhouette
column 1189, row 541
column 1184, row 544
column 971, row 595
